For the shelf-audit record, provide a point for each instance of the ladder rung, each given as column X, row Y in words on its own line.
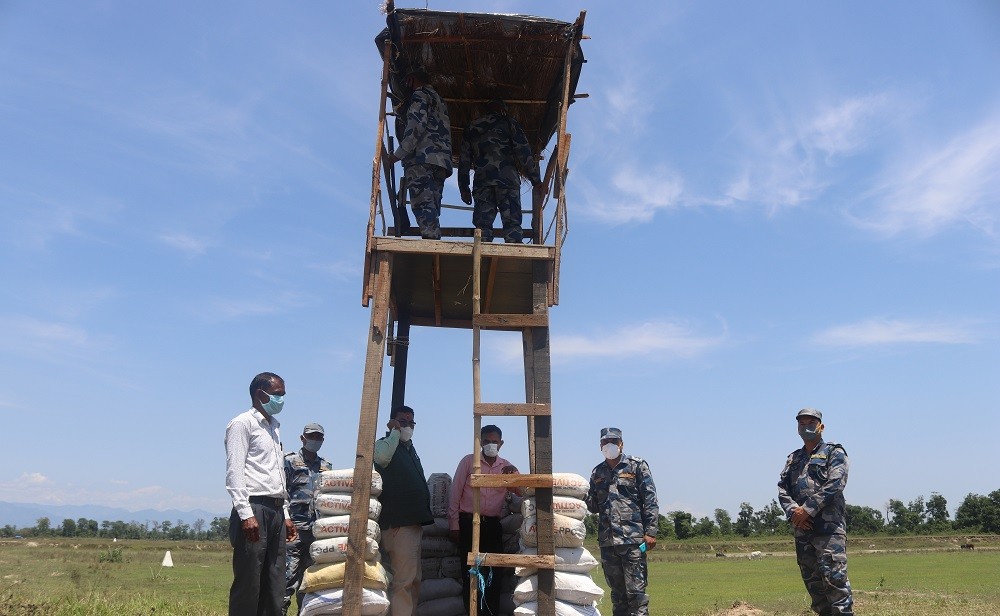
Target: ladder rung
column 522, row 409
column 511, row 321
column 514, row 560
column 510, row 481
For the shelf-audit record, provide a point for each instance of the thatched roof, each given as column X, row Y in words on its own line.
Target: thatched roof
column 474, row 57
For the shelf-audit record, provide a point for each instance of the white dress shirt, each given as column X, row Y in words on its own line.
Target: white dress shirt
column 255, row 465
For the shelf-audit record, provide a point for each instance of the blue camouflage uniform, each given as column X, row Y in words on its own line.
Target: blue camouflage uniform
column 624, row 497
column 816, row 481
column 425, row 151
column 495, row 147
column 299, row 477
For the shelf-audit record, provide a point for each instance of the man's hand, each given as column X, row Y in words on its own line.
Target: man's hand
column 291, row 533
column 251, row 531
column 392, row 425
column 801, row 519
column 650, row 542
column 466, row 195
column 454, row 536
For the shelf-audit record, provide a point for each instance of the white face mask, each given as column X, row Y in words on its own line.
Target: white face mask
column 405, row 434
column 611, row 451
column 490, row 450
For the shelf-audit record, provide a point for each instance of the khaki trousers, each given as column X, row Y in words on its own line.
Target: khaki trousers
column 403, row 546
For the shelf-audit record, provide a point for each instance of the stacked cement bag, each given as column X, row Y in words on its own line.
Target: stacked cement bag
column 576, row 593
column 440, row 565
column 323, row 582
column 504, row 577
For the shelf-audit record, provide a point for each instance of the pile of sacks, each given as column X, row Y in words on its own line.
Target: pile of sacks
column 576, row 593
column 441, row 567
column 323, row 582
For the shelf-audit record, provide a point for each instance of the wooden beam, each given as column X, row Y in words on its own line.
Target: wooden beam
column 490, row 282
column 514, row 560
column 442, row 247
column 511, row 321
column 494, row 409
column 511, row 481
column 437, row 289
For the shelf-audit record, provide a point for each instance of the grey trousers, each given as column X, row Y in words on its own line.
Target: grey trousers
column 258, row 567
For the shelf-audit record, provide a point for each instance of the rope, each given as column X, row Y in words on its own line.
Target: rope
column 482, row 582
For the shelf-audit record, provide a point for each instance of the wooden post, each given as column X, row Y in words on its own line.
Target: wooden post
column 376, row 183
column 476, row 399
column 399, row 356
column 358, row 529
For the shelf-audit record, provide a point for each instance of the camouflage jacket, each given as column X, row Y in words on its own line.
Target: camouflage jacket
column 816, row 482
column 494, row 146
column 299, row 476
column 426, row 137
column 625, row 499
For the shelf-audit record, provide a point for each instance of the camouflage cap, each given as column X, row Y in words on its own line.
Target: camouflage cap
column 809, row 413
column 313, row 428
column 611, row 433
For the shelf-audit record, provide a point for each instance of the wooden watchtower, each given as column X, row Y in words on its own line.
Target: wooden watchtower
column 534, row 64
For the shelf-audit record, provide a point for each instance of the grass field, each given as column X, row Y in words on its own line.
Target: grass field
column 921, row 576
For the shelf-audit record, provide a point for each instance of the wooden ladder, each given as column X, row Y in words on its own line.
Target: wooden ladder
column 537, row 409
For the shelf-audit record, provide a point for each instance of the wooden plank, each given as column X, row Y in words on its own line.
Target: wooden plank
column 477, row 420
column 443, row 247
column 511, row 481
column 511, row 321
column 437, row 289
column 364, row 459
column 514, row 560
column 491, row 282
column 512, row 409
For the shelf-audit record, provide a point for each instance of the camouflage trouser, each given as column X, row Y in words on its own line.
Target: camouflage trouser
column 491, row 199
column 297, row 558
column 823, row 563
column 625, row 572
column 426, row 183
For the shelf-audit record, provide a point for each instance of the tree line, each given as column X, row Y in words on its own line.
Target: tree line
column 976, row 514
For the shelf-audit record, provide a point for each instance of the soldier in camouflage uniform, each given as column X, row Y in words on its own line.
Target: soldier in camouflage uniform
column 811, row 491
column 425, row 151
column 494, row 146
column 301, row 468
column 623, row 495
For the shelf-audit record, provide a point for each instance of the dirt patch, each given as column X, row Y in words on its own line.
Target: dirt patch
column 741, row 609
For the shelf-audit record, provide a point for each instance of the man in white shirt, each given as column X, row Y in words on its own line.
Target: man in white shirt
column 259, row 524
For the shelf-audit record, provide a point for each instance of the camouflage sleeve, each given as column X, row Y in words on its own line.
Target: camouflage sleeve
column 465, row 158
column 836, row 481
column 593, row 506
column 525, row 156
column 650, row 505
column 417, row 116
column 784, row 484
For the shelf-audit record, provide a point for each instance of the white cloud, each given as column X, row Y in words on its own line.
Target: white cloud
column 957, row 183
column 880, row 331
column 667, row 340
column 638, row 194
column 28, row 333
column 33, row 479
column 189, row 245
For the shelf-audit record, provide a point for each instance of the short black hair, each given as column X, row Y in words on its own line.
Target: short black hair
column 400, row 409
column 262, row 381
column 490, row 428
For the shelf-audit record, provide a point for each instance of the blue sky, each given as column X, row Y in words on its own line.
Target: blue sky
column 772, row 205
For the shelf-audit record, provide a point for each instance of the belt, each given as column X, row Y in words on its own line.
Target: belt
column 465, row 514
column 268, row 501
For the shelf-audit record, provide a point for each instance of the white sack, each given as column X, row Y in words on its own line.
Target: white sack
column 439, row 485
column 339, row 526
column 335, row 503
column 373, row 602
column 562, row 609
column 452, row 567
column 566, row 532
column 561, row 505
column 576, row 588
column 572, row 560
column 566, row 484
column 341, row 481
column 334, row 550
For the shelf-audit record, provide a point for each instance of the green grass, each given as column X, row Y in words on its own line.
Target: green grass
column 919, row 576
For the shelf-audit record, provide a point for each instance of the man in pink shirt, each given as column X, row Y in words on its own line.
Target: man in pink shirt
column 491, row 508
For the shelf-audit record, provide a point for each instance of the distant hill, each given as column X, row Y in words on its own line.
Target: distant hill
column 25, row 515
